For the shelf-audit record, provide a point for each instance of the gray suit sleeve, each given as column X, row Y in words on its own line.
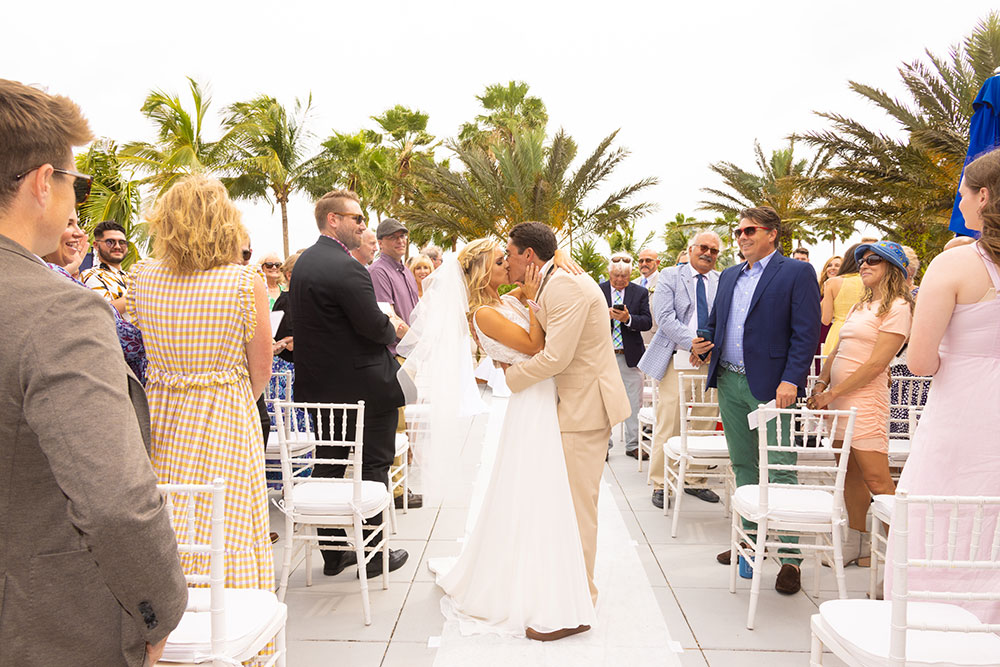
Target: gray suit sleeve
column 76, row 400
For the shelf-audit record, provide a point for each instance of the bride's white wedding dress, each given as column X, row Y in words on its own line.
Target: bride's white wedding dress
column 522, row 565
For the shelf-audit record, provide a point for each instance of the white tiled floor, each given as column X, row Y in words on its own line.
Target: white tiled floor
column 325, row 625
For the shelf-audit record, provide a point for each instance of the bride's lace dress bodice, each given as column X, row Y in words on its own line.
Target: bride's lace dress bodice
column 513, row 310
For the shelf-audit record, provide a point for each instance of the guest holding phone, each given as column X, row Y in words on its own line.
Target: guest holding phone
column 629, row 310
column 856, row 375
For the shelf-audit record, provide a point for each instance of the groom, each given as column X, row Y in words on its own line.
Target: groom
column 578, row 354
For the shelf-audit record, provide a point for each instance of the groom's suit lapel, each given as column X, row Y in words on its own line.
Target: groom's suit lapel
column 545, row 279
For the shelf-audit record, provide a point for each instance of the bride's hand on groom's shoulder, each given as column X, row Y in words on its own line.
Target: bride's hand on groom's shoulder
column 564, row 261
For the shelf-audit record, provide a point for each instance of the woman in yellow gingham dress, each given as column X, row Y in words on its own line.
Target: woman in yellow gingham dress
column 199, row 317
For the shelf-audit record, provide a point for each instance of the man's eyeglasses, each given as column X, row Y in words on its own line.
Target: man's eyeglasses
column 621, row 260
column 871, row 260
column 271, row 265
column 110, row 244
column 247, row 254
column 644, row 260
column 81, row 182
column 749, row 231
column 357, row 217
column 709, row 249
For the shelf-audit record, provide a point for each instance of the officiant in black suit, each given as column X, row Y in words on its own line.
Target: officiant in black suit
column 340, row 350
column 628, row 305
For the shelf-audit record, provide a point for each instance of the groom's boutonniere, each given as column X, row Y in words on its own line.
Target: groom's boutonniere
column 534, row 306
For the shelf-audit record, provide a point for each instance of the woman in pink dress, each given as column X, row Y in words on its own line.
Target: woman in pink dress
column 956, row 338
column 856, row 375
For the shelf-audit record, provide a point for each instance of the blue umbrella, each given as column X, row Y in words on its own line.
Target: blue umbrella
column 984, row 135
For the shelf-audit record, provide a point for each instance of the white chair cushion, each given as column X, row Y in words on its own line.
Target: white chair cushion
column 803, row 505
column 882, row 506
column 899, row 451
column 402, row 443
column 701, row 446
column 296, row 447
column 249, row 613
column 646, row 415
column 417, row 412
column 314, row 497
column 862, row 627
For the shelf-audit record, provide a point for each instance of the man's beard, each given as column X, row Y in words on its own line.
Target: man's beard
column 107, row 259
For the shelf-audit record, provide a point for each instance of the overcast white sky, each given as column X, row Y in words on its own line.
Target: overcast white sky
column 687, row 83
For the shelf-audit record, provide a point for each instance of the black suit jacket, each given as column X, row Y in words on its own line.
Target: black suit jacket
column 340, row 333
column 637, row 301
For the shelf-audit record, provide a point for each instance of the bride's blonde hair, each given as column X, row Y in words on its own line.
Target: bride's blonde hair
column 476, row 260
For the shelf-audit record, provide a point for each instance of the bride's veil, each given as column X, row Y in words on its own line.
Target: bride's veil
column 438, row 379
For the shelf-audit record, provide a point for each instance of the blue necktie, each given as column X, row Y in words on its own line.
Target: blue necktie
column 616, row 326
column 701, row 300
column 645, row 283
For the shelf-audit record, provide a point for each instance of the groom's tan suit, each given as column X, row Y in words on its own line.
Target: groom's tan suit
column 592, row 398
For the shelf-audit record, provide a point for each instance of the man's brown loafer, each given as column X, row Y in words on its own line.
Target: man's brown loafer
column 531, row 633
column 789, row 580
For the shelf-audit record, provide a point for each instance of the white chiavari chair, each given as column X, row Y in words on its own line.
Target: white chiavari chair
column 784, row 508
column 922, row 627
column 359, row 506
column 221, row 626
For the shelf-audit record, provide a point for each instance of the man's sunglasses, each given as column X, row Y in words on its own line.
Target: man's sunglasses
column 271, row 265
column 112, row 243
column 357, row 217
column 622, row 260
column 871, row 260
column 81, row 182
column 748, row 231
column 709, row 249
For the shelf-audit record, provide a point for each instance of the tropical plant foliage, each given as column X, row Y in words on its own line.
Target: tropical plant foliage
column 905, row 187
column 113, row 196
column 781, row 181
column 180, row 148
column 510, row 110
column 595, row 264
column 268, row 152
column 527, row 179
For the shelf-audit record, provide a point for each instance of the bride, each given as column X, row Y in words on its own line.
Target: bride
column 522, row 571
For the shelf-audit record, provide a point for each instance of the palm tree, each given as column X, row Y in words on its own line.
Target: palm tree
column 527, row 179
column 180, row 148
column 905, row 187
column 510, row 110
column 269, row 152
column 781, row 182
column 114, row 195
column 677, row 235
column 358, row 162
column 590, row 260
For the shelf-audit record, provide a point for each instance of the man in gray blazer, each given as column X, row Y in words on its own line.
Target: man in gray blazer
column 676, row 312
column 89, row 572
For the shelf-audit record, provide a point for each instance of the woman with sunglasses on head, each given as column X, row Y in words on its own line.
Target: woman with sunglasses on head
column 956, row 450
column 856, row 375
column 840, row 293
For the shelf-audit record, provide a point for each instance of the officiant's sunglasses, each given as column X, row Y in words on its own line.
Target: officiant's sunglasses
column 81, row 182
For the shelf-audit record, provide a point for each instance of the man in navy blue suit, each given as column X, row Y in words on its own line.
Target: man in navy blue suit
column 629, row 309
column 763, row 333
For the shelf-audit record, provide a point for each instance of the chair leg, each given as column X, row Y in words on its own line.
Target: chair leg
column 310, row 545
column 758, row 563
column 392, row 509
column 385, row 556
column 816, row 565
column 733, row 557
column 359, row 550
column 678, row 497
column 406, row 487
column 838, row 562
column 816, row 652
column 873, row 567
column 286, row 559
column 280, row 646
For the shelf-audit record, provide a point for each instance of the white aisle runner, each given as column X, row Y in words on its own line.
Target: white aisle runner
column 630, row 630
